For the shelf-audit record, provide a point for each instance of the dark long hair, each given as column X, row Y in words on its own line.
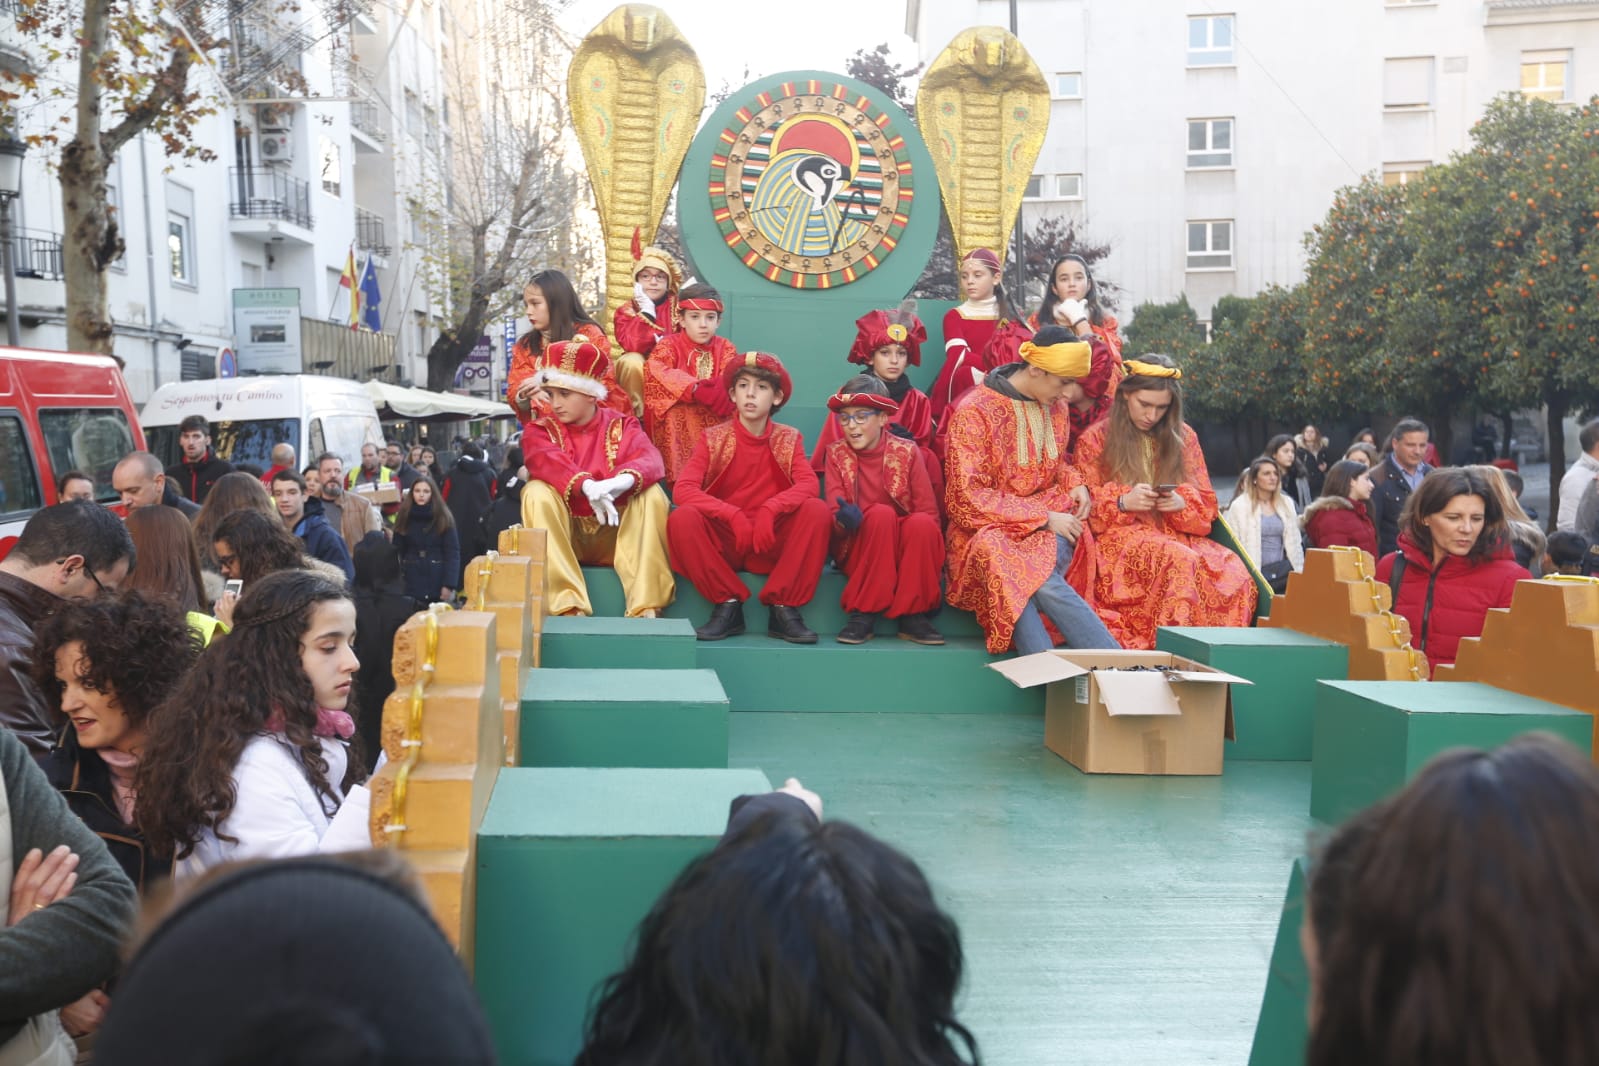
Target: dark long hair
column 1341, row 477
column 169, row 561
column 442, row 521
column 260, row 544
column 1455, row 921
column 234, row 491
column 185, row 783
column 136, row 647
column 1046, row 310
column 790, row 944
column 566, row 312
column 1124, row 458
column 1436, row 490
column 1297, row 469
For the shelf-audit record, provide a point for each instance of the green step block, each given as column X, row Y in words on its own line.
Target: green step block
column 1282, row 1030
column 823, row 613
column 634, row 718
column 568, row 862
column 886, row 675
column 1372, row 736
column 607, row 643
column 1274, row 716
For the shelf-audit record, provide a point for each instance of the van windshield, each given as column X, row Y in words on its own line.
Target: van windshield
column 242, row 441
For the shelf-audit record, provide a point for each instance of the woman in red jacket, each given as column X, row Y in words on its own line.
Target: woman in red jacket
column 1338, row 517
column 1455, row 560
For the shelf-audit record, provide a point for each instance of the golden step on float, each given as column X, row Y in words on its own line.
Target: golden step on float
column 1337, row 597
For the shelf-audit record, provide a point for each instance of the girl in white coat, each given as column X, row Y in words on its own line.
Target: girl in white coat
column 1266, row 524
column 250, row 757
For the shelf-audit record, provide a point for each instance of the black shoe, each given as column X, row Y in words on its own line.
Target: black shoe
column 858, row 630
column 786, row 623
column 727, row 620
column 918, row 629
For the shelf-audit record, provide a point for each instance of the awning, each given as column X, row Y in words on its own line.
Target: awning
column 420, row 405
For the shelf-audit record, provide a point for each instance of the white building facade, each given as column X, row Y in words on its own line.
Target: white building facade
column 1203, row 138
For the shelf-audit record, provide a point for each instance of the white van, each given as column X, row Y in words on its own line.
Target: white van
column 249, row 415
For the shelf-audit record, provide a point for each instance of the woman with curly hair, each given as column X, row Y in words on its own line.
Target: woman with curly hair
column 250, row 757
column 795, row 941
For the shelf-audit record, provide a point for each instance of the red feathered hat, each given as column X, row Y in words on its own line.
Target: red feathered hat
column 840, row 400
column 765, row 361
column 576, row 365
column 877, row 329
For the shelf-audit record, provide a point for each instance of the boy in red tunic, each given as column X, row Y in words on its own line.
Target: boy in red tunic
column 746, row 499
column 684, row 394
column 640, row 323
column 886, row 536
column 593, row 485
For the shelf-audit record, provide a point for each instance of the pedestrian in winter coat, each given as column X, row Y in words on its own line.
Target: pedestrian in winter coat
column 302, row 514
column 430, row 548
column 469, row 491
column 1313, row 457
column 1295, row 480
column 200, row 467
column 1338, row 517
column 1266, row 524
column 350, row 513
column 1395, row 478
column 1454, row 562
column 381, row 608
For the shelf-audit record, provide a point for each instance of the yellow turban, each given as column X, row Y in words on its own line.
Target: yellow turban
column 1138, row 369
column 1069, row 359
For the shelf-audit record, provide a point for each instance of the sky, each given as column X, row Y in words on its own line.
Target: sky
column 817, row 35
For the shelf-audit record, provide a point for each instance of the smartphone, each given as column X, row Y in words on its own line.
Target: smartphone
column 1165, row 490
column 235, row 586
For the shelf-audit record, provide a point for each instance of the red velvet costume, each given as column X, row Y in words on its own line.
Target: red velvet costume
column 893, row 560
column 967, row 331
column 675, row 420
column 525, row 360
column 731, row 477
column 565, row 456
column 636, row 333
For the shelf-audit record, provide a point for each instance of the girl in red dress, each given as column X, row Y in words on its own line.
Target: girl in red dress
column 971, row 330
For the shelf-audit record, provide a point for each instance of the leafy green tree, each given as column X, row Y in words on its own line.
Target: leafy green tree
column 1170, row 328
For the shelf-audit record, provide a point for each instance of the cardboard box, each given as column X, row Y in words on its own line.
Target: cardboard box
column 1104, row 718
column 388, row 492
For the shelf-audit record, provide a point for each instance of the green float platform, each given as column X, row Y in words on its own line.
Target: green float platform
column 629, row 718
column 1274, row 716
column 1282, row 1030
column 885, row 675
column 1372, row 736
column 569, row 861
column 610, row 643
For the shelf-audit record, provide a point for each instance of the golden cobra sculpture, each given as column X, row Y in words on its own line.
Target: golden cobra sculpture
column 983, row 108
column 635, row 90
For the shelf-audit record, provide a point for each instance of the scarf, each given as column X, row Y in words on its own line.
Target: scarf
column 329, row 723
column 899, row 388
column 122, row 766
column 988, row 308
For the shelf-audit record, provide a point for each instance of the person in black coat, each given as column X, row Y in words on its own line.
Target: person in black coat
column 429, row 547
column 381, row 608
column 469, row 490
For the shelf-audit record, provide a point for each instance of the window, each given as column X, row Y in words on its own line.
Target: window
column 1210, row 41
column 1055, row 187
column 1407, row 83
column 113, row 202
column 1069, row 86
column 330, row 165
column 236, row 441
column 1402, row 173
column 1544, row 75
column 1035, row 188
column 19, row 479
column 1210, row 142
column 89, row 439
column 1069, row 186
column 180, row 233
column 1210, row 245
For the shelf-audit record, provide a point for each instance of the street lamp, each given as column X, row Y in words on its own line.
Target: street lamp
column 11, row 153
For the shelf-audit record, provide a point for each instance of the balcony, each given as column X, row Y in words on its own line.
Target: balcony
column 369, row 122
column 1520, row 12
column 269, row 203
column 369, row 233
column 37, row 255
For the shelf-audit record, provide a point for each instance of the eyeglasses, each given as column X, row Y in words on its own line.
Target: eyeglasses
column 87, row 569
column 860, row 418
column 225, row 561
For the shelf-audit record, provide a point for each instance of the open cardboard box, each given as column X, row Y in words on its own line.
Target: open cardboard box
column 1104, row 719
column 387, row 492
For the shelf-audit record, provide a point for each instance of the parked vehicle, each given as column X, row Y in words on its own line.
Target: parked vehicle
column 249, row 415
column 59, row 411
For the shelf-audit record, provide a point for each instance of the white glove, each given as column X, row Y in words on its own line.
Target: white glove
column 615, row 486
column 1070, row 312
column 605, row 511
column 646, row 305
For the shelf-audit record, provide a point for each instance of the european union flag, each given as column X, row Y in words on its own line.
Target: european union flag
column 371, row 316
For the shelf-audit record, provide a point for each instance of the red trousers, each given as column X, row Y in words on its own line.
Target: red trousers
column 893, row 563
column 701, row 548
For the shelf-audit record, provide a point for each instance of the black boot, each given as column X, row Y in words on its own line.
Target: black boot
column 786, row 623
column 918, row 628
column 727, row 620
column 858, row 630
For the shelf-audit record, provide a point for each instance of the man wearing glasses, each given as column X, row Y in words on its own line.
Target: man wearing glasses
column 72, row 551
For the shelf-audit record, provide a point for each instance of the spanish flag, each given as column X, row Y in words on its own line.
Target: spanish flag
column 348, row 282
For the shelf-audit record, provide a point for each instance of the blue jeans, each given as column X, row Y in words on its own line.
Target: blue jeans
column 1075, row 620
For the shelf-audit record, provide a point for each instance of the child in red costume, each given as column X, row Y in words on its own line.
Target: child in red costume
column 747, row 500
column 887, row 538
column 684, row 394
column 1072, row 303
column 556, row 315
column 649, row 316
column 980, row 334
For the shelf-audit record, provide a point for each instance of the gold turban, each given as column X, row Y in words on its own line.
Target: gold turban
column 1138, row 369
column 1069, row 359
